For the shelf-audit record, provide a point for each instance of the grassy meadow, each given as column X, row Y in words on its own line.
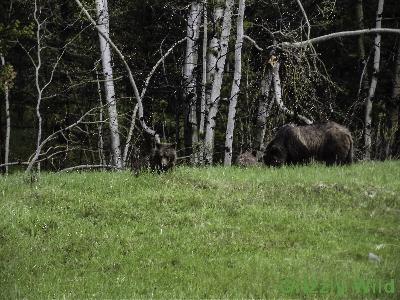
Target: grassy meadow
column 288, row 233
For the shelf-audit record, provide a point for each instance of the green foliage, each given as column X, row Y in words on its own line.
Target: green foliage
column 199, row 233
column 11, row 32
column 7, row 76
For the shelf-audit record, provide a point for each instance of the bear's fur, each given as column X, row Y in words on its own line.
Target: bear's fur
column 163, row 157
column 327, row 142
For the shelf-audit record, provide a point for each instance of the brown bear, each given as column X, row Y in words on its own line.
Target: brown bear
column 327, row 142
column 163, row 157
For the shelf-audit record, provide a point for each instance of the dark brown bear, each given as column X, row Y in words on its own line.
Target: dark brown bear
column 163, row 157
column 328, row 142
column 246, row 159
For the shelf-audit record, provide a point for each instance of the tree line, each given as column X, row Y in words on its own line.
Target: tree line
column 96, row 83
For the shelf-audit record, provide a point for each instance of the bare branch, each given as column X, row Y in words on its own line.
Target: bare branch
column 35, row 157
column 16, row 163
column 81, row 167
column 306, row 18
column 146, row 83
column 338, row 35
column 253, row 42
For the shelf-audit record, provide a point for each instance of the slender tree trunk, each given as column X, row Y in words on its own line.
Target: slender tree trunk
column 103, row 26
column 203, row 101
column 217, row 82
column 39, row 90
column 374, row 81
column 394, row 113
column 189, row 76
column 263, row 110
column 237, row 76
column 212, row 53
column 8, row 120
column 100, row 126
column 360, row 25
column 362, row 93
column 203, row 106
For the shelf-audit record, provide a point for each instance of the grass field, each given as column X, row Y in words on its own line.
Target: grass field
column 294, row 232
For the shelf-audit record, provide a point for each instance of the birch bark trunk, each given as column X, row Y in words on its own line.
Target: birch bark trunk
column 237, row 76
column 100, row 142
column 217, row 82
column 189, row 76
column 374, row 82
column 8, row 120
column 209, row 67
column 103, row 26
column 132, row 81
column 212, row 53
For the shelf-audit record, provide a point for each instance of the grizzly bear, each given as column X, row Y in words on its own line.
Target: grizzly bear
column 163, row 157
column 328, row 142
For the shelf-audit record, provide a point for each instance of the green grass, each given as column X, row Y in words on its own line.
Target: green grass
column 202, row 233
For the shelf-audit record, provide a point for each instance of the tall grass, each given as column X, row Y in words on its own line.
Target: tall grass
column 203, row 233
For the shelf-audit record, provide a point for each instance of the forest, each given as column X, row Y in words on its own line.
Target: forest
column 95, row 84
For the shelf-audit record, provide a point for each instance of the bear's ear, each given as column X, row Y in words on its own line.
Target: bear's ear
column 173, row 145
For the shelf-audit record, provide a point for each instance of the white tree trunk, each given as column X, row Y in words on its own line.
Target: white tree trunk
column 209, row 67
column 237, row 76
column 217, row 82
column 132, row 81
column 189, row 77
column 8, row 120
column 374, row 81
column 263, row 109
column 100, row 126
column 103, row 26
column 212, row 56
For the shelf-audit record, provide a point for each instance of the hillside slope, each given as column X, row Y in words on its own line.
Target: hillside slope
column 203, row 233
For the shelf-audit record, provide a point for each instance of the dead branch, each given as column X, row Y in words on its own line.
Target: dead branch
column 82, row 167
column 338, row 35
